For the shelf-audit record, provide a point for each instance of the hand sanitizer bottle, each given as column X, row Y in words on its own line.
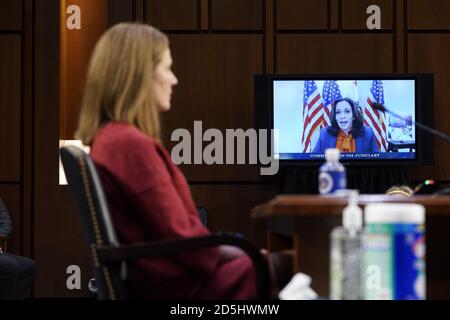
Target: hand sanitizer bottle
column 346, row 254
column 332, row 176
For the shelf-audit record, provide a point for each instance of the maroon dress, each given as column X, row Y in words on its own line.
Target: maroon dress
column 149, row 199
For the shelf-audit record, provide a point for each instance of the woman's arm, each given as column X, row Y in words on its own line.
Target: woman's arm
column 318, row 146
column 228, row 253
column 158, row 202
column 370, row 138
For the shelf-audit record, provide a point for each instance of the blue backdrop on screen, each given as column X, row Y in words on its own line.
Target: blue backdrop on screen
column 302, row 109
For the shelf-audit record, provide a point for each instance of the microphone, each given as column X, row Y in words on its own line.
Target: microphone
column 428, row 186
column 434, row 132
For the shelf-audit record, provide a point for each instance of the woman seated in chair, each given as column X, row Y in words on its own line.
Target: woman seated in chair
column 129, row 83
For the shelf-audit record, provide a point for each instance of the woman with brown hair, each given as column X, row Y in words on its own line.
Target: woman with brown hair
column 129, row 83
column 347, row 131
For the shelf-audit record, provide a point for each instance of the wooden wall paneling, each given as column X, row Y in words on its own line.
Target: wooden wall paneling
column 334, row 53
column 400, row 35
column 65, row 88
column 120, row 11
column 430, row 53
column 354, row 16
column 139, row 10
column 269, row 35
column 204, row 15
column 10, row 195
column 173, row 15
column 57, row 237
column 27, row 130
column 10, row 105
column 59, row 243
column 11, row 15
column 333, row 14
column 301, row 15
column 76, row 49
column 428, row 15
column 215, row 74
column 229, row 208
column 237, row 14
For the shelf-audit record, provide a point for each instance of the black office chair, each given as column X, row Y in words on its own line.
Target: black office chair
column 109, row 256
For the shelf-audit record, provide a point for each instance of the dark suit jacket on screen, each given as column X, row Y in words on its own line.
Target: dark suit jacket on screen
column 364, row 144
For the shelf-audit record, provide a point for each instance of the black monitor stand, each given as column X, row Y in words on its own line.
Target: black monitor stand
column 368, row 180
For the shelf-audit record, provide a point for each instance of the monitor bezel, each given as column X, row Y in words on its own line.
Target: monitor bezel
column 267, row 120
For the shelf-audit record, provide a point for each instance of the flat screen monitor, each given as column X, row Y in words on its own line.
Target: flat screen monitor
column 310, row 114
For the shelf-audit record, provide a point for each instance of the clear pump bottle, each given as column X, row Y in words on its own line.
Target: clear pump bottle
column 346, row 253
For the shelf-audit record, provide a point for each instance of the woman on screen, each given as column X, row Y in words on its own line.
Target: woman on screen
column 347, row 131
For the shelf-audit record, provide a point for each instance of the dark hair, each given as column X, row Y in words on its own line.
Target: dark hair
column 357, row 124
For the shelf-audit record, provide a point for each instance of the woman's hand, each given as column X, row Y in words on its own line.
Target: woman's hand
column 228, row 253
column 265, row 254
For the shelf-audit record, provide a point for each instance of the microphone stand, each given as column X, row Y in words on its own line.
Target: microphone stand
column 416, row 123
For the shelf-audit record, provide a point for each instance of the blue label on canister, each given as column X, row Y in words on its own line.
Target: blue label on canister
column 409, row 253
column 331, row 181
column 394, row 262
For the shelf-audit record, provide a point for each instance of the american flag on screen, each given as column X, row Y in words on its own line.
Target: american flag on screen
column 374, row 118
column 330, row 93
column 312, row 114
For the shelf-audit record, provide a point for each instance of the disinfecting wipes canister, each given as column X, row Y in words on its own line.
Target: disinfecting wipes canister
column 394, row 252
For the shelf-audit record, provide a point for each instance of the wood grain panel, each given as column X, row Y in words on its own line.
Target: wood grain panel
column 57, row 237
column 349, row 53
column 120, row 11
column 65, row 246
column 76, row 49
column 11, row 197
column 173, row 15
column 301, row 14
column 204, row 14
column 215, row 75
column 139, row 10
column 229, row 208
column 400, row 36
column 423, row 14
column 11, row 15
column 27, row 132
column 354, row 16
column 429, row 53
column 237, row 14
column 334, row 15
column 269, row 38
column 10, row 104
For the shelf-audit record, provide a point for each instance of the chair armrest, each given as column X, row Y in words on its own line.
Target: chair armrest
column 169, row 247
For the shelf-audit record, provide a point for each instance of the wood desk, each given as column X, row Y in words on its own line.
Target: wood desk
column 304, row 223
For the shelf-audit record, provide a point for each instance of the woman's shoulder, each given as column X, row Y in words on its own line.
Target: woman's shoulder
column 120, row 140
column 130, row 156
column 368, row 131
column 123, row 135
column 325, row 132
